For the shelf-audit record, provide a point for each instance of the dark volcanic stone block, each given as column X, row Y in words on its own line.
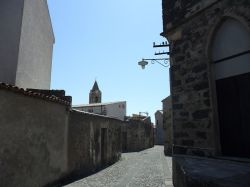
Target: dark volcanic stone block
column 176, row 83
column 202, row 135
column 188, row 142
column 175, row 98
column 207, row 102
column 184, row 114
column 199, row 68
column 177, row 106
column 201, row 86
column 201, row 114
column 180, row 134
column 190, row 79
column 188, row 125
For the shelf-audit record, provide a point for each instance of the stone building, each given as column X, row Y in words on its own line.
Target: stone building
column 210, row 89
column 26, row 43
column 159, row 131
column 167, row 125
column 210, row 75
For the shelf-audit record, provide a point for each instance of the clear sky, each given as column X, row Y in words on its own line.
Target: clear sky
column 104, row 40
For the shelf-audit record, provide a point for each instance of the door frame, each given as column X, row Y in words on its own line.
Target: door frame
column 211, row 74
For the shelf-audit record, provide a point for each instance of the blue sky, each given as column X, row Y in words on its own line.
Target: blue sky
column 104, row 40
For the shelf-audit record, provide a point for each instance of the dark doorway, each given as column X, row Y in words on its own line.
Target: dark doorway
column 233, row 97
column 103, row 146
column 231, row 57
column 124, row 141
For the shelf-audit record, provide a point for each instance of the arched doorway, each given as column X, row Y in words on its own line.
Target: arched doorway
column 231, row 64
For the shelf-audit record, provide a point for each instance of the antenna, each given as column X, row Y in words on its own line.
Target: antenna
column 163, row 44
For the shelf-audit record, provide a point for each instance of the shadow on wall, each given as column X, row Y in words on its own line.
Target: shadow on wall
column 43, row 142
column 137, row 135
column 33, row 137
column 94, row 142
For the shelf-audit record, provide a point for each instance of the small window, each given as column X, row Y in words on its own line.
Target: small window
column 96, row 99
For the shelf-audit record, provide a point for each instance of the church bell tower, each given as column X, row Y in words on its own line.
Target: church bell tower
column 95, row 94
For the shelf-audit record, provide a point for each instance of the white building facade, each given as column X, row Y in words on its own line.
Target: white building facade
column 113, row 109
column 26, row 45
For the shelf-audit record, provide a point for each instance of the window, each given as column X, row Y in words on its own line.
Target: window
column 96, row 99
column 231, row 49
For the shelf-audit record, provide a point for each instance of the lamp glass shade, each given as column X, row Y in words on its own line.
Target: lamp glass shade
column 143, row 63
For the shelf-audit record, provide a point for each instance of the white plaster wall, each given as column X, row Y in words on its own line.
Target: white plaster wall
column 36, row 46
column 117, row 110
column 96, row 109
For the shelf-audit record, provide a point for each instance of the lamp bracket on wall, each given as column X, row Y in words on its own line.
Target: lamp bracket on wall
column 162, row 61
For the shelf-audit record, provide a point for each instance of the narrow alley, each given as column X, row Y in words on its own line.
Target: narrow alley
column 146, row 168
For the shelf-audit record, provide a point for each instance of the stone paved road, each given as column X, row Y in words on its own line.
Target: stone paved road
column 148, row 168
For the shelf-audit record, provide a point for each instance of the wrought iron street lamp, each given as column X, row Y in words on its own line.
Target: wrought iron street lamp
column 162, row 61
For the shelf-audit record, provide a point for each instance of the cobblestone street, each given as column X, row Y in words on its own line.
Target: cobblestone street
column 146, row 168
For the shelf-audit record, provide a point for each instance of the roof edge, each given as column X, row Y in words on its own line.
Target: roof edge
column 22, row 91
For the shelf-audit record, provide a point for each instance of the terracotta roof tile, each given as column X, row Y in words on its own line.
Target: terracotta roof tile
column 33, row 94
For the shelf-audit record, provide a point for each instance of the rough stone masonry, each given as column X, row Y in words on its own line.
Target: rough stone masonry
column 190, row 27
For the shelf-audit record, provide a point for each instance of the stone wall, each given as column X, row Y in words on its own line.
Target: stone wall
column 159, row 130
column 94, row 142
column 195, row 123
column 179, row 11
column 137, row 135
column 44, row 142
column 33, row 138
column 167, row 125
